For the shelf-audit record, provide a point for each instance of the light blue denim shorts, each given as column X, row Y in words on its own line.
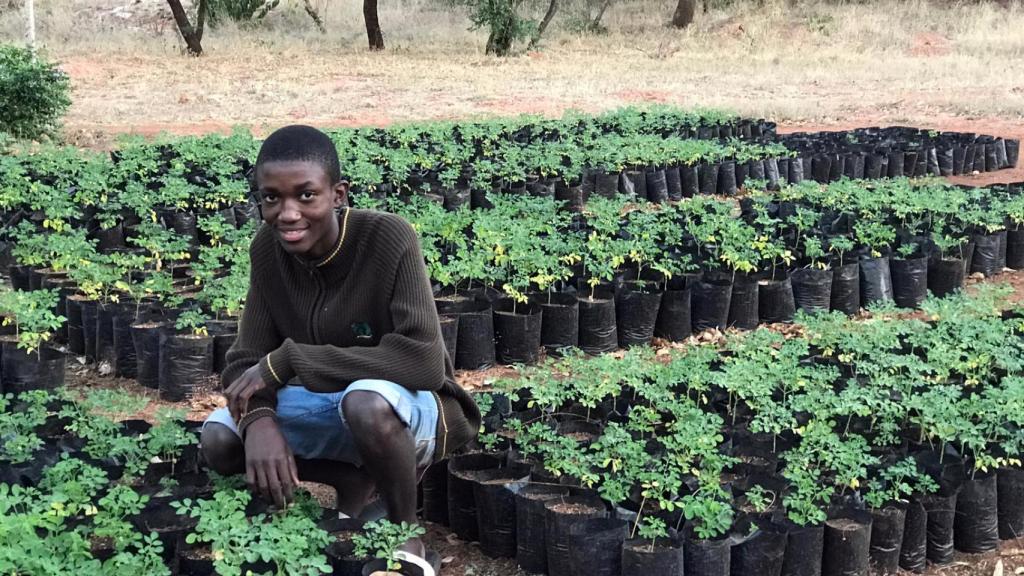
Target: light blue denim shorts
column 314, row 426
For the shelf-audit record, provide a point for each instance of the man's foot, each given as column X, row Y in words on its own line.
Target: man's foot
column 414, row 546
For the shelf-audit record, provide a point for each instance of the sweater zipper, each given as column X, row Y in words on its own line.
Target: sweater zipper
column 314, row 315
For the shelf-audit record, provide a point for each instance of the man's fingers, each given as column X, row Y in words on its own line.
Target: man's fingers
column 293, row 470
column 274, row 482
column 261, row 482
column 250, row 477
column 284, row 474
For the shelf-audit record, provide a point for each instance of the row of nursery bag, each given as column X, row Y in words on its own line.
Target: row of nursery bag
column 852, row 447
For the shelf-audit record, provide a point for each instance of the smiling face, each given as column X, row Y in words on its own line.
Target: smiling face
column 298, row 201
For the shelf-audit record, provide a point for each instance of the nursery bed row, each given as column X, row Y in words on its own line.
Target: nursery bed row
column 525, row 274
column 857, row 446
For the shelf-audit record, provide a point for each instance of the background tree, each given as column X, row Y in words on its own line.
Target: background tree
column 683, row 15
column 193, row 35
column 373, row 33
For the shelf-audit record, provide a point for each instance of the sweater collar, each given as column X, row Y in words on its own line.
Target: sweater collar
column 339, row 261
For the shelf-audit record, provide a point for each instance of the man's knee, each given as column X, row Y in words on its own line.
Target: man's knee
column 368, row 413
column 222, row 449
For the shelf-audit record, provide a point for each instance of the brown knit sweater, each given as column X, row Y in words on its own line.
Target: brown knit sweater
column 365, row 312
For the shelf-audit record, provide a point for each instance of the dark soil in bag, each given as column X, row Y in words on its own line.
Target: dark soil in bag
column 475, row 348
column 449, row 333
column 759, row 553
column 804, row 545
column 708, row 179
column 727, row 178
column 1001, row 260
column 743, row 303
column 976, row 526
column 76, row 334
column 674, row 316
column 1010, row 490
column 146, row 339
column 42, row 369
column 821, row 165
column 847, row 545
column 598, row 333
column 125, row 361
column 775, row 301
column 531, row 546
column 105, row 333
column 689, row 176
column 560, row 320
column 636, row 312
column 706, row 557
column 494, row 492
column 674, row 183
column 633, row 183
column 595, row 546
column 560, row 514
column 711, row 299
column 657, row 186
column 896, row 164
column 873, row 167
column 434, row 488
column 914, row 547
column 90, row 310
column 886, row 538
column 606, row 184
column 20, row 277
column 573, row 196
column 909, row 281
column 986, row 255
column 461, row 499
column 1015, row 249
column 812, row 289
column 516, row 334
column 944, row 160
column 875, row 281
column 946, row 276
column 1012, row 153
column 186, row 361
column 481, row 198
column 845, row 294
column 941, row 514
column 771, row 173
column 645, row 558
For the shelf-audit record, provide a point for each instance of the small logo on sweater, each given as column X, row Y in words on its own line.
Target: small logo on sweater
column 362, row 331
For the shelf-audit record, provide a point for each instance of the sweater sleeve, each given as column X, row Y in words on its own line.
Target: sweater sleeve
column 411, row 355
column 257, row 336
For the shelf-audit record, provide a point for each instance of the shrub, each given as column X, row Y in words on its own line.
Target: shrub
column 240, row 11
column 34, row 94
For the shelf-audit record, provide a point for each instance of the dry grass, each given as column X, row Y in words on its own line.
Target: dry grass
column 889, row 61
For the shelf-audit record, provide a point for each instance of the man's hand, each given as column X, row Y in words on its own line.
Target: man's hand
column 269, row 465
column 242, row 389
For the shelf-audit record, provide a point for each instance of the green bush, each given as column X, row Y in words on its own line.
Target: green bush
column 34, row 94
column 240, row 11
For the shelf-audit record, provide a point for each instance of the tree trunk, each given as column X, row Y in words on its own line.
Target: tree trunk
column 193, row 36
column 683, row 16
column 315, row 16
column 548, row 17
column 373, row 33
column 596, row 24
column 30, row 24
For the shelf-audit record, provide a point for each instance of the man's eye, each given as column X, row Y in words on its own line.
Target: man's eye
column 269, row 198
column 307, row 195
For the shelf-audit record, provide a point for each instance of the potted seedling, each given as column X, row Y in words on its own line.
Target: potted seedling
column 381, row 540
column 28, row 363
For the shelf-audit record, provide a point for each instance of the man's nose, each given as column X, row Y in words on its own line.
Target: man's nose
column 290, row 211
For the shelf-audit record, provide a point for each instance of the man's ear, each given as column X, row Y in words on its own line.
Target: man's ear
column 341, row 194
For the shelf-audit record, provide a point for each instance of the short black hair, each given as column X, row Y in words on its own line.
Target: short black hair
column 303, row 144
